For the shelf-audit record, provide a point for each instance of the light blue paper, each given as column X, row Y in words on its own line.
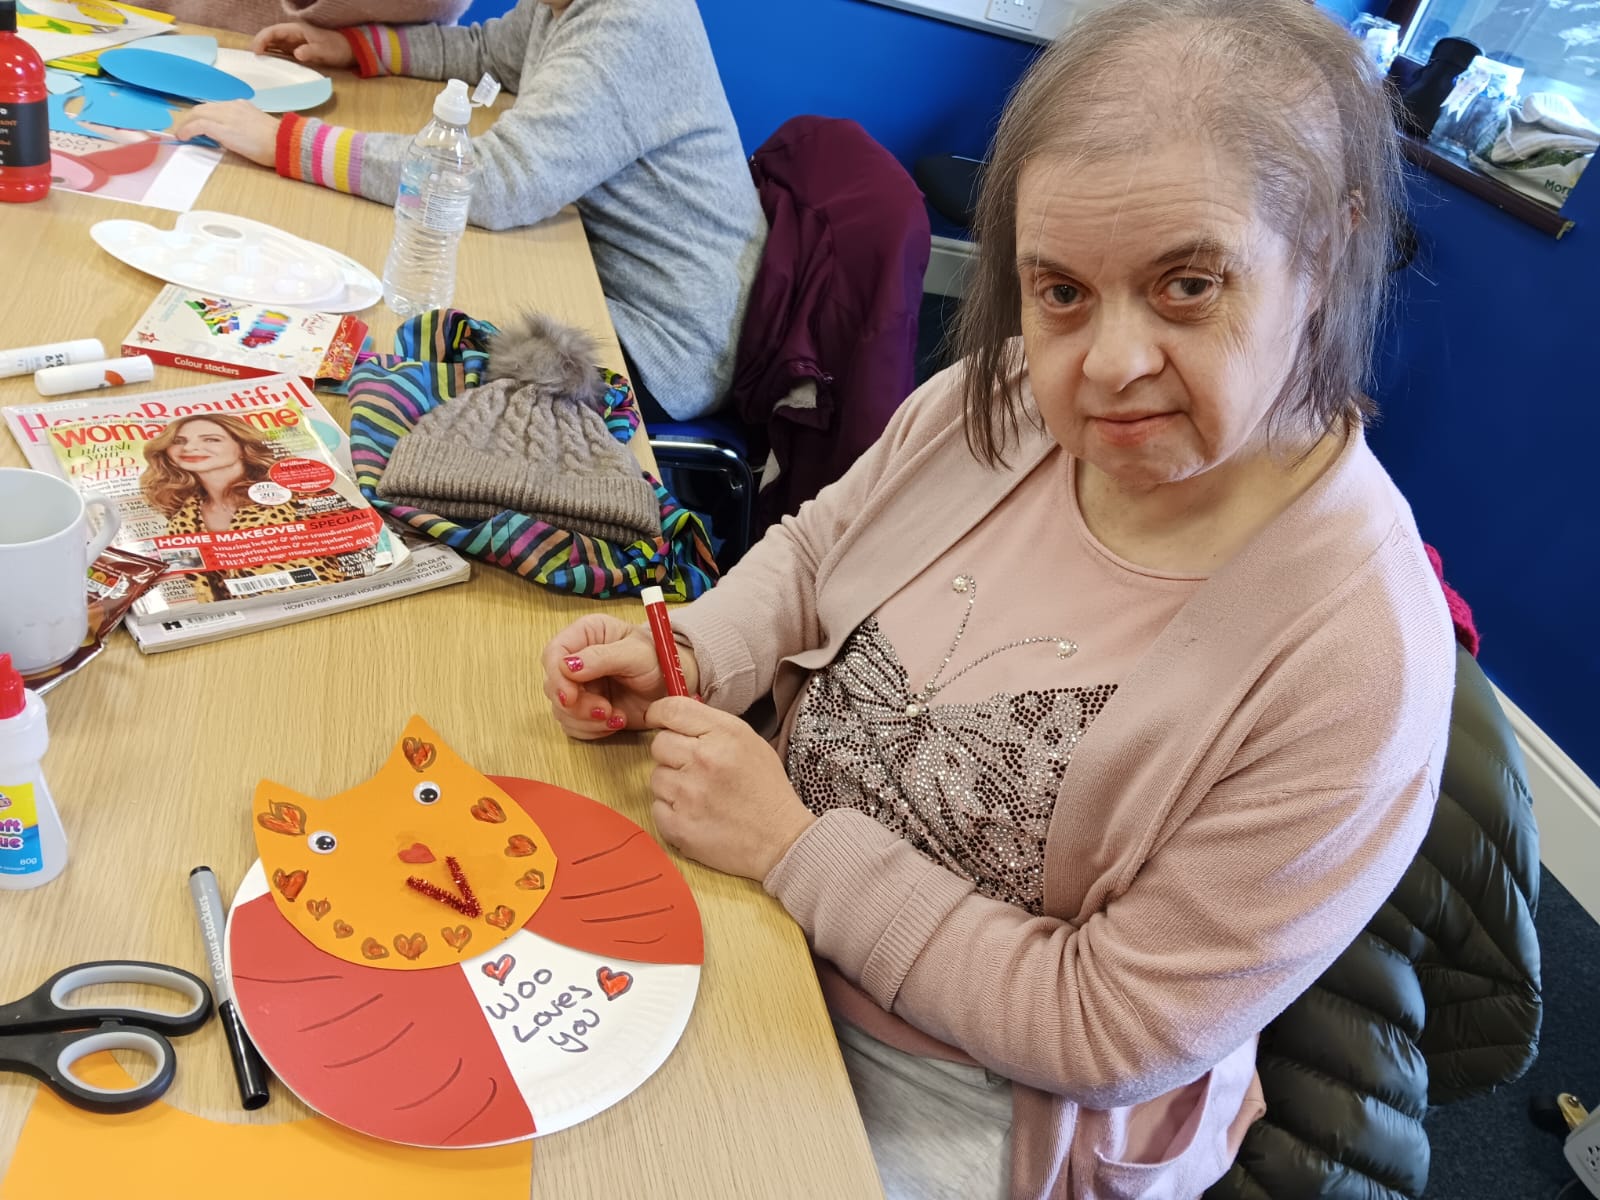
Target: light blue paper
column 194, row 46
column 173, row 75
column 295, row 97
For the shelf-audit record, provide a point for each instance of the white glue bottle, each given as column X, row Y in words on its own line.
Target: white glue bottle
column 33, row 846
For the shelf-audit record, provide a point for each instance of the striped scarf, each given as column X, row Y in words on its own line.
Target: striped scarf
column 438, row 356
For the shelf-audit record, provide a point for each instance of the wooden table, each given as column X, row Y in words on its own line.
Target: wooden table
column 153, row 760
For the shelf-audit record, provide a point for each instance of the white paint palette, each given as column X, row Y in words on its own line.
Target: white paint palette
column 242, row 259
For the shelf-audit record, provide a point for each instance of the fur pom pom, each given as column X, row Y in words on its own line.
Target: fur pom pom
column 555, row 359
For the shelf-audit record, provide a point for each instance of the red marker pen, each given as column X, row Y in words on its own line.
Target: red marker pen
column 655, row 610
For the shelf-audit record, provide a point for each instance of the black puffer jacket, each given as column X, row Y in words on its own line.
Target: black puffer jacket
column 1438, row 999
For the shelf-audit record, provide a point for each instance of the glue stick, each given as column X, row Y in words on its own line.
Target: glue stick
column 33, row 846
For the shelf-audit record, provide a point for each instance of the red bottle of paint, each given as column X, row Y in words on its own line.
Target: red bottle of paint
column 24, row 117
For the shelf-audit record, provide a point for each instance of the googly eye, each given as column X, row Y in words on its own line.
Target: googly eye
column 426, row 793
column 323, row 842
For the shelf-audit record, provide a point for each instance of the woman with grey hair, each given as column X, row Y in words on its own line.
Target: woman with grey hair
column 1111, row 687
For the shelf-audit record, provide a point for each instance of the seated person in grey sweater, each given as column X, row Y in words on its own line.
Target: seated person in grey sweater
column 619, row 109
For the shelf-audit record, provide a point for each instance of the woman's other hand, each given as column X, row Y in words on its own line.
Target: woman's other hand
column 722, row 795
column 235, row 125
column 601, row 673
column 309, row 44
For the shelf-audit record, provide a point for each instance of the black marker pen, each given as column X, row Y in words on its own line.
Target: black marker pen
column 248, row 1068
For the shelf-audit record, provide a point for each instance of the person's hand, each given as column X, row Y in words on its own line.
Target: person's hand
column 722, row 795
column 309, row 44
column 601, row 673
column 235, row 125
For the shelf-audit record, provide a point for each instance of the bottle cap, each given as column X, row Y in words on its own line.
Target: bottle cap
column 454, row 106
column 12, row 697
column 8, row 16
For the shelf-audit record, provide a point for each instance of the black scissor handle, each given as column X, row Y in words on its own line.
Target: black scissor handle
column 50, row 1057
column 45, row 1010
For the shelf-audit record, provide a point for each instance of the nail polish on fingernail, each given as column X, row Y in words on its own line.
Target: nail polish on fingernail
column 617, row 721
column 598, row 713
column 561, row 698
column 574, row 663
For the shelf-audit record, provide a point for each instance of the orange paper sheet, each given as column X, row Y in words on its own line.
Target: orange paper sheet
column 160, row 1152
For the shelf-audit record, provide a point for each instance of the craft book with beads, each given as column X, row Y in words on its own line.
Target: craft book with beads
column 196, row 332
column 228, row 484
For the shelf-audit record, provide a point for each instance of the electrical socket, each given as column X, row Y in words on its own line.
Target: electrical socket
column 1583, row 1152
column 1016, row 14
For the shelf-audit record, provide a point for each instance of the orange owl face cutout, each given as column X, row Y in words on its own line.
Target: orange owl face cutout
column 425, row 864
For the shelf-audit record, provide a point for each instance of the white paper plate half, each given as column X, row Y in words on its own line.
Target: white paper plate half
column 526, row 1039
column 281, row 84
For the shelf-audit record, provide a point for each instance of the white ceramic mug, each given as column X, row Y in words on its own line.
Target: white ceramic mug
column 45, row 554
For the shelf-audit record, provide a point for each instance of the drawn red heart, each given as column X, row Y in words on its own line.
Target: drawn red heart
column 419, row 754
column 457, row 937
column 410, row 947
column 416, row 853
column 613, row 983
column 520, row 845
column 488, row 810
column 283, row 818
column 499, row 968
column 532, row 881
column 342, row 930
column 501, row 917
column 318, row 908
column 374, row 949
column 289, row 883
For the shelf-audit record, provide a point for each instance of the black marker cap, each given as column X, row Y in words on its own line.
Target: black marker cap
column 248, row 1068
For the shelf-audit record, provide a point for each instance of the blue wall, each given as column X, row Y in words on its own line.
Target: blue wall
column 1487, row 377
column 919, row 86
column 1491, row 426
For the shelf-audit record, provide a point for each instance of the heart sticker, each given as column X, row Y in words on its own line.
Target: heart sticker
column 409, row 947
column 520, row 845
column 532, row 881
column 457, row 937
column 289, row 883
column 416, row 853
column 501, row 918
column 419, row 754
column 613, row 983
column 318, row 908
column 342, row 929
column 488, row 810
column 374, row 949
column 283, row 818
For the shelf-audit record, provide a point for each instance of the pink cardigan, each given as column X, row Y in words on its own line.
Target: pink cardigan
column 1244, row 804
column 250, row 16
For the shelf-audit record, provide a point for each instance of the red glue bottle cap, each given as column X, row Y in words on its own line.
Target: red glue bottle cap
column 12, row 695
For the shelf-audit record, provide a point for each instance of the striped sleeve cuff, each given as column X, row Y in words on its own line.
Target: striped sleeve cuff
column 379, row 49
column 316, row 152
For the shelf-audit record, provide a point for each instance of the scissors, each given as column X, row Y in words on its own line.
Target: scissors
column 43, row 1037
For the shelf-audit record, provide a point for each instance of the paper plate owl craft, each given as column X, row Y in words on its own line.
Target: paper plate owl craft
column 444, row 958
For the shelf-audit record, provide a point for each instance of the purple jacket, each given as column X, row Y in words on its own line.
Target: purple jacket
column 834, row 303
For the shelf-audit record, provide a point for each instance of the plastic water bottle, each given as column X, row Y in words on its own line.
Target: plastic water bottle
column 430, row 212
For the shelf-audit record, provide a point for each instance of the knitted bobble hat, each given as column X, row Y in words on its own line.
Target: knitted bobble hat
column 532, row 440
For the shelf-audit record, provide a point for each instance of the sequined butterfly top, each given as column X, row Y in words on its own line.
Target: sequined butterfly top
column 971, row 773
column 971, row 786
